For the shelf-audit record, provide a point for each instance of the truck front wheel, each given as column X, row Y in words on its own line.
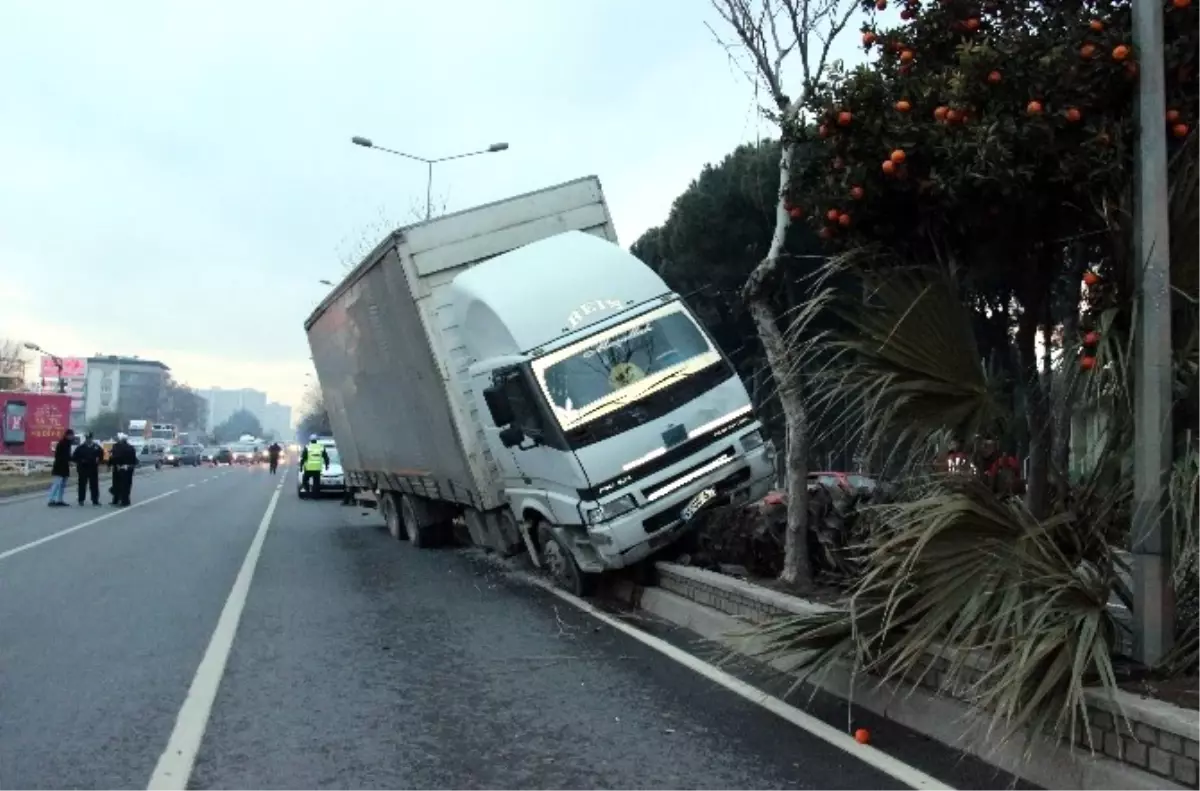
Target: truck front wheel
column 558, row 560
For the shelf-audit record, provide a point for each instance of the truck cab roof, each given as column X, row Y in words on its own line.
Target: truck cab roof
column 593, row 280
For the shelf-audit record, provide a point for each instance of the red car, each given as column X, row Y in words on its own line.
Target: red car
column 849, row 482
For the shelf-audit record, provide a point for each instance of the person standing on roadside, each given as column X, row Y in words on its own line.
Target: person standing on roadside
column 87, row 458
column 61, row 470
column 122, row 460
column 273, row 456
column 313, row 459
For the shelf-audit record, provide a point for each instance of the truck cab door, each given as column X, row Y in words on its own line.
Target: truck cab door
column 547, row 471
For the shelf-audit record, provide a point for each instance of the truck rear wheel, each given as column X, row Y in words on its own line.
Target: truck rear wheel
column 558, row 560
column 391, row 516
column 421, row 536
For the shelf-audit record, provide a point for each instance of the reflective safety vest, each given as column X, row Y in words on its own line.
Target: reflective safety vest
column 313, row 462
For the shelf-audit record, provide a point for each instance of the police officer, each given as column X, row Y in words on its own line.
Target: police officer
column 313, row 459
column 122, row 461
column 87, row 458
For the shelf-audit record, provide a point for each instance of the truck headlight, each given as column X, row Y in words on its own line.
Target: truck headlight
column 610, row 510
column 752, row 440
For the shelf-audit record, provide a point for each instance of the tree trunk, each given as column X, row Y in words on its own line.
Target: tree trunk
column 796, row 569
column 1037, row 414
column 1068, row 377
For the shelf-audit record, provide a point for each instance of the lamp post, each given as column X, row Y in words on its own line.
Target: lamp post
column 365, row 142
column 1153, row 612
column 58, row 363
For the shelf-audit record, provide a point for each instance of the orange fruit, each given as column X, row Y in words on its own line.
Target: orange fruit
column 1091, row 339
column 844, row 118
column 994, row 77
column 1096, row 25
column 881, row 4
column 906, row 56
column 1073, row 115
column 898, row 156
column 1034, row 107
column 823, row 130
column 941, row 113
column 1181, row 4
column 1090, row 278
column 862, row 736
column 889, row 167
column 868, row 38
column 903, row 106
column 973, row 24
column 856, row 192
column 1087, row 363
column 844, row 220
column 1172, row 116
column 825, row 233
column 832, row 215
column 1087, row 51
column 795, row 212
column 1120, row 52
column 1180, row 130
column 953, row 117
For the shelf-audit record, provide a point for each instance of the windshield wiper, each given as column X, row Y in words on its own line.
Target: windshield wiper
column 616, row 402
column 674, row 374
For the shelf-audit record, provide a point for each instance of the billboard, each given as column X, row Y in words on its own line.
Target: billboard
column 72, row 367
column 33, row 423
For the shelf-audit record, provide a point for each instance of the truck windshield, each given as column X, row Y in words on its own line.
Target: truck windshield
column 590, row 378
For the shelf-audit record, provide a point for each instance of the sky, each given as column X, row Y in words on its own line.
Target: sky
column 178, row 177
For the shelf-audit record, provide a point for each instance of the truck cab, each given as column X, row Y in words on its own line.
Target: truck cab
column 613, row 415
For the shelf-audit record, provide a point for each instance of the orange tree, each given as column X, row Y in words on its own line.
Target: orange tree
column 998, row 135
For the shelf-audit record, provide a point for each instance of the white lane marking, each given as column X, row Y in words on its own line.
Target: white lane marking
column 885, row 763
column 174, row 766
column 82, row 525
column 190, row 485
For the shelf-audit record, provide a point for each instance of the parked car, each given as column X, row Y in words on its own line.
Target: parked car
column 333, row 479
column 208, row 455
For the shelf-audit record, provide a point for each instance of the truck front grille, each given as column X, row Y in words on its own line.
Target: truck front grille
column 725, row 488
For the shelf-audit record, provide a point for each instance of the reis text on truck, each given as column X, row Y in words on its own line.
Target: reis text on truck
column 509, row 373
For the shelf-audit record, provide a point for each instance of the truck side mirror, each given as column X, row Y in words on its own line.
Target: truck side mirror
column 512, row 436
column 497, row 403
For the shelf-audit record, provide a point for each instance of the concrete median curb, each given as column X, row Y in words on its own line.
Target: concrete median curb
column 939, row 717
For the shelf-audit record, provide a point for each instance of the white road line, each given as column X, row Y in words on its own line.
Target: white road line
column 82, row 525
column 885, row 763
column 189, row 486
column 174, row 766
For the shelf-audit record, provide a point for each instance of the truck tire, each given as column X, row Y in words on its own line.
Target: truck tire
column 391, row 515
column 559, row 561
column 419, row 535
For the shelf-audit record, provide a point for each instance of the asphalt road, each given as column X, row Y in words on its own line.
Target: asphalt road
column 358, row 662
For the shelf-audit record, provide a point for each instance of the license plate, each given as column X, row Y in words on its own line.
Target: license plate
column 696, row 503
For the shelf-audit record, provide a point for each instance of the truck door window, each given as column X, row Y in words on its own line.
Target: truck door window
column 525, row 415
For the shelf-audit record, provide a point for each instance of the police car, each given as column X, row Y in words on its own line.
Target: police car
column 333, row 480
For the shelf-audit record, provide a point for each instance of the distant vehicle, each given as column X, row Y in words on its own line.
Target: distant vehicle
column 223, row 456
column 243, row 453
column 209, row 455
column 151, row 456
column 183, row 456
column 583, row 414
column 333, row 480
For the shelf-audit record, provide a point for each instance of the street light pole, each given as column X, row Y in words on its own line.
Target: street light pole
column 365, row 142
column 58, row 363
column 1154, row 621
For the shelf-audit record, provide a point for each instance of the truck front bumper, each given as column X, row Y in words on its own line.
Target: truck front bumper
column 636, row 535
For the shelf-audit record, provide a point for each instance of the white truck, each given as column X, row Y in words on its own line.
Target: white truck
column 509, row 375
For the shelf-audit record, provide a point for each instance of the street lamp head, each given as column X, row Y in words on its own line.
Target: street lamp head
column 33, row 347
column 365, row 142
column 494, row 147
column 325, row 282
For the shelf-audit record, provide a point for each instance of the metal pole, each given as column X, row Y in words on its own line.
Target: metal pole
column 429, row 193
column 1154, row 616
